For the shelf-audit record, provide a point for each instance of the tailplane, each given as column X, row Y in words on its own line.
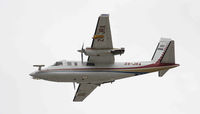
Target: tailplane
column 164, row 53
column 162, row 72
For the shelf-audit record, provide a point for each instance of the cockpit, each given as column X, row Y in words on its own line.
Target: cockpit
column 58, row 63
column 65, row 63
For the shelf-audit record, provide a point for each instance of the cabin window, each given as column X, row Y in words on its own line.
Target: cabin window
column 90, row 64
column 69, row 63
column 75, row 63
column 58, row 64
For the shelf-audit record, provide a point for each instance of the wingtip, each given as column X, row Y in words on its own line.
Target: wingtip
column 104, row 15
column 165, row 39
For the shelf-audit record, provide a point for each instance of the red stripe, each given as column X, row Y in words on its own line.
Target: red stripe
column 147, row 66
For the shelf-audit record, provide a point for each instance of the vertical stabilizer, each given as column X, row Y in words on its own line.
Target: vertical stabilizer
column 169, row 55
column 164, row 52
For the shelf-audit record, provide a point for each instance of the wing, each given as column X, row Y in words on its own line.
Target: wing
column 83, row 91
column 102, row 36
column 102, row 40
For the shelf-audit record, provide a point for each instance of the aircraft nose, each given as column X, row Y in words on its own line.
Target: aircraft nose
column 32, row 74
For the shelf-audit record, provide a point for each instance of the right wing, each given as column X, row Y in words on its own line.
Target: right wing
column 102, row 40
column 102, row 37
column 83, row 91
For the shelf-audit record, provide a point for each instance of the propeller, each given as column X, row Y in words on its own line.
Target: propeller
column 82, row 51
column 74, row 85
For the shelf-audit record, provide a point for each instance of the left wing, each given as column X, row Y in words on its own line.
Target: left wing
column 83, row 91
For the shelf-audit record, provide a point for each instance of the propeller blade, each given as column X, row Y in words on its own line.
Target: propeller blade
column 82, row 57
column 82, row 46
column 74, row 85
column 82, row 51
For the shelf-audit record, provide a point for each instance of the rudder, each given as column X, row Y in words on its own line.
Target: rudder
column 164, row 52
column 169, row 55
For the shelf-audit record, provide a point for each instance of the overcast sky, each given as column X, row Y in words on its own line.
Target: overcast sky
column 44, row 31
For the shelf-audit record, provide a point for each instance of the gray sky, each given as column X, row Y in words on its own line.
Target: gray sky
column 43, row 31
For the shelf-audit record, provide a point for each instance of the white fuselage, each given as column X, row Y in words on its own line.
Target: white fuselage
column 99, row 73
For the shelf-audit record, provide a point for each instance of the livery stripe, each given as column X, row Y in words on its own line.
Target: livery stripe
column 98, row 71
column 140, row 70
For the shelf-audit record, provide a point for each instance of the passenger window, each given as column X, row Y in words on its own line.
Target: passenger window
column 90, row 64
column 75, row 64
column 69, row 63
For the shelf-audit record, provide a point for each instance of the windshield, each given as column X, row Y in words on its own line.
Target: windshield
column 58, row 64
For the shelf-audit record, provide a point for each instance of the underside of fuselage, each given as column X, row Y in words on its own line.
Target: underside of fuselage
column 84, row 77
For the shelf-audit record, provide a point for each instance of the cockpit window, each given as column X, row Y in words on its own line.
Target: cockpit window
column 58, row 64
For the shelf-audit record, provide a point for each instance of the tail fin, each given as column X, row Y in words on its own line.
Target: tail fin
column 164, row 53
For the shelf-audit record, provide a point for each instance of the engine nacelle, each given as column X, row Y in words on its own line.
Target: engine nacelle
column 118, row 51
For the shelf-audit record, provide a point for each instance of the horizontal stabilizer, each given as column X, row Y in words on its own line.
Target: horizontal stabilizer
column 162, row 72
